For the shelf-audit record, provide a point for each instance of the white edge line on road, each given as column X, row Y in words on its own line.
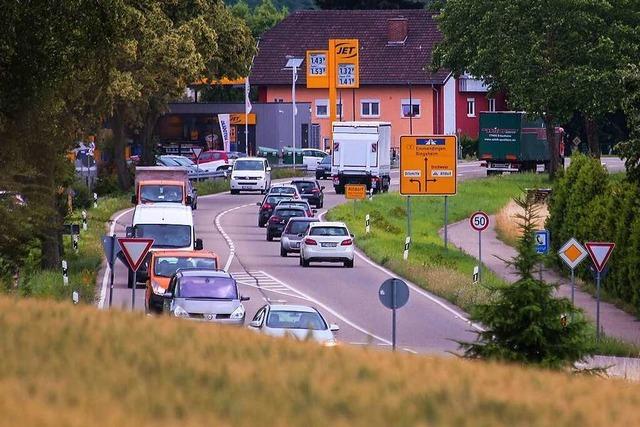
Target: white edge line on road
column 105, row 276
column 230, row 243
column 414, row 287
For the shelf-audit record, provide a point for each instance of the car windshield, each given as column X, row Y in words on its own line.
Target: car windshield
column 207, row 287
column 165, row 235
column 282, row 190
column 168, row 161
column 305, row 186
column 296, row 320
column 167, row 266
column 289, row 213
column 248, row 165
column 273, row 200
column 183, row 161
column 328, row 231
column 326, row 160
column 297, row 227
column 161, row 193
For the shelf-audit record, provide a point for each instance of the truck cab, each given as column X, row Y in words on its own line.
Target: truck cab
column 163, row 185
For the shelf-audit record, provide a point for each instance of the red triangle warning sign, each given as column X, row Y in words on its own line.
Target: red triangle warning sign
column 600, row 253
column 134, row 250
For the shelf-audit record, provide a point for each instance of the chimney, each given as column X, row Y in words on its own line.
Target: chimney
column 397, row 30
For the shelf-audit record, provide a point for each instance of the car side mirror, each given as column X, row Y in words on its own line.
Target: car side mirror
column 269, row 169
column 322, row 187
column 134, row 199
column 167, row 295
column 143, row 276
column 258, row 204
column 188, row 200
column 314, row 210
column 334, row 328
column 198, row 246
column 129, row 231
column 352, row 235
column 243, row 298
column 300, row 235
column 254, row 323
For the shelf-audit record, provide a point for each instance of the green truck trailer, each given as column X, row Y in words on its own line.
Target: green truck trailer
column 510, row 142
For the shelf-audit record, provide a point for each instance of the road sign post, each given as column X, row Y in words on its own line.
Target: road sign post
column 110, row 247
column 600, row 252
column 572, row 253
column 134, row 249
column 355, row 192
column 446, row 221
column 393, row 294
column 479, row 221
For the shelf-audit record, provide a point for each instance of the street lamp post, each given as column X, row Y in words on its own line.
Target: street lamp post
column 293, row 63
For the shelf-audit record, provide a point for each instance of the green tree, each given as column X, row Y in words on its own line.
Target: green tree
column 371, row 4
column 526, row 324
column 630, row 149
column 262, row 17
column 552, row 58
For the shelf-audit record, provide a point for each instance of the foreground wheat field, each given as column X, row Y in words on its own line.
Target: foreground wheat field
column 74, row 366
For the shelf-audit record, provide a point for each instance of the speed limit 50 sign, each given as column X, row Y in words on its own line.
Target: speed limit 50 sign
column 479, row 221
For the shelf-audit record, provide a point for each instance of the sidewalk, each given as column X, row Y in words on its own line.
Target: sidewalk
column 614, row 322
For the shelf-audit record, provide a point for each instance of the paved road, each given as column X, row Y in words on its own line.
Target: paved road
column 228, row 225
column 346, row 296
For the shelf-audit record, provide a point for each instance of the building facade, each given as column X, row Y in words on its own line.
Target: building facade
column 396, row 82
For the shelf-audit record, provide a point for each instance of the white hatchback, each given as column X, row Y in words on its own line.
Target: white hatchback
column 327, row 242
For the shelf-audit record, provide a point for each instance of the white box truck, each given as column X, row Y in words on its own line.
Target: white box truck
column 361, row 155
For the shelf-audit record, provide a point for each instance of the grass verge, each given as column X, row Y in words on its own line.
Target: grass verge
column 212, row 186
column 83, row 267
column 445, row 273
column 280, row 173
column 76, row 366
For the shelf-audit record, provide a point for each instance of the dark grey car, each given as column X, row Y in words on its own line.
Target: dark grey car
column 292, row 234
column 206, row 296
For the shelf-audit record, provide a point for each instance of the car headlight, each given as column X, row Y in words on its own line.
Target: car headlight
column 157, row 289
column 238, row 313
column 330, row 343
column 180, row 312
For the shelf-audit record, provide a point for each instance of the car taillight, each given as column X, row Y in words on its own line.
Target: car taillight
column 315, row 191
column 267, row 206
column 308, row 241
column 310, row 213
column 274, row 219
column 347, row 242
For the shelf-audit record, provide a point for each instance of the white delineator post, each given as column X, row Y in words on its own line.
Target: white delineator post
column 84, row 220
column 95, row 200
column 407, row 243
column 366, row 224
column 65, row 273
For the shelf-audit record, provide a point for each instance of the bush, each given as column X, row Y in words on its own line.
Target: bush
column 83, row 196
column 469, row 147
column 107, row 185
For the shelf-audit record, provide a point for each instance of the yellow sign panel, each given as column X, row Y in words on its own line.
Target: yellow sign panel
column 239, row 119
column 428, row 165
column 355, row 191
column 347, row 62
column 317, row 69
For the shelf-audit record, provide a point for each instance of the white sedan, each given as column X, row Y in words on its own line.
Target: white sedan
column 296, row 321
column 327, row 242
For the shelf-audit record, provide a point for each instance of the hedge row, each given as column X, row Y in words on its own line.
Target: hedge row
column 589, row 204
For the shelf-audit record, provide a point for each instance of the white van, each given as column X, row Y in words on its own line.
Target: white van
column 250, row 174
column 169, row 225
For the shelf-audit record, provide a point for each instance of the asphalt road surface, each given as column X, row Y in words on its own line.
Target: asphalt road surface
column 228, row 226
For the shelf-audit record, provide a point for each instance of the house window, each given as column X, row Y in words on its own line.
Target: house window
column 410, row 109
column 471, row 107
column 370, row 108
column 322, row 108
column 492, row 104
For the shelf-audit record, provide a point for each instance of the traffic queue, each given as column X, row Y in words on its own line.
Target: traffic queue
column 184, row 280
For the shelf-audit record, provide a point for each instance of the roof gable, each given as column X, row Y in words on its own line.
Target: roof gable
column 380, row 62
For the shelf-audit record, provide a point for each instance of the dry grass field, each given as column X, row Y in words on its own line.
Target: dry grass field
column 66, row 365
column 507, row 222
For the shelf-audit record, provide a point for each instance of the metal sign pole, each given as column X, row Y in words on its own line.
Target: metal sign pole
column 112, row 267
column 573, row 286
column 480, row 256
column 393, row 315
column 409, row 216
column 133, row 290
column 598, row 307
column 446, row 220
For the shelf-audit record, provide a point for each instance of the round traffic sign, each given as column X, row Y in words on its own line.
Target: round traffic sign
column 390, row 287
column 479, row 221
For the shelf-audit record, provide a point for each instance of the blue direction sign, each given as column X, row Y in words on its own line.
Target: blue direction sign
column 542, row 241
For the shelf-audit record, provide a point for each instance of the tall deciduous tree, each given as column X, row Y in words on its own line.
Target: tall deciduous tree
column 551, row 57
column 262, row 17
column 371, row 4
